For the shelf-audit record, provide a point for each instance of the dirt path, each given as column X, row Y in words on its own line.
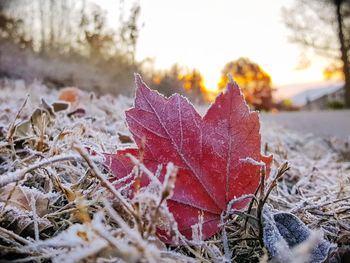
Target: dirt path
column 320, row 123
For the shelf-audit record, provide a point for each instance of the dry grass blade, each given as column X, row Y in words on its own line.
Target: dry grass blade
column 84, row 154
column 19, row 175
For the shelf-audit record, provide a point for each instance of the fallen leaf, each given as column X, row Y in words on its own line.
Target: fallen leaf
column 46, row 106
column 40, row 119
column 37, row 122
column 20, row 197
column 71, row 95
column 23, row 128
column 21, row 221
column 54, row 107
column 79, row 112
column 124, row 138
column 209, row 152
column 16, row 208
column 59, row 106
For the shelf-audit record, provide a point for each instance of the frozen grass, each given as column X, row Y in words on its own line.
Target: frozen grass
column 57, row 204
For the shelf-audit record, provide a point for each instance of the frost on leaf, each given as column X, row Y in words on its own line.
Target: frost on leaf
column 208, row 152
column 16, row 208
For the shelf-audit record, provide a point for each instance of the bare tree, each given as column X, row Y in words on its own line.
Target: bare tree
column 324, row 27
column 73, row 26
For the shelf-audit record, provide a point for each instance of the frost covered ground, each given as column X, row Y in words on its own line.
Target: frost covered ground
column 56, row 203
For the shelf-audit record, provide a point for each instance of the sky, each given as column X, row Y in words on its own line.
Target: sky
column 206, row 34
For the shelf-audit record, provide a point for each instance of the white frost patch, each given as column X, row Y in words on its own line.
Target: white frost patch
column 252, row 161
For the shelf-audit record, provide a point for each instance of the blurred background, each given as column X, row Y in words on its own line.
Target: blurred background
column 286, row 55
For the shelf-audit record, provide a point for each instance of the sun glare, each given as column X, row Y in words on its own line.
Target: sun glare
column 171, row 48
column 211, row 84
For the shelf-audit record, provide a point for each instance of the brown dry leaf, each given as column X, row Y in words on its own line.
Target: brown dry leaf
column 38, row 121
column 23, row 128
column 20, row 220
column 20, row 197
column 46, row 106
column 124, row 138
column 59, row 106
column 54, row 107
column 16, row 209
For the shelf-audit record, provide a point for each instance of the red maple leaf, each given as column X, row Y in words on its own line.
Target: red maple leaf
column 209, row 152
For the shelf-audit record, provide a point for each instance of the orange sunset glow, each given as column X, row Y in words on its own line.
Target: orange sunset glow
column 219, row 32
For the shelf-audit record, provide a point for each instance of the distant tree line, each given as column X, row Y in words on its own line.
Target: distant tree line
column 69, row 26
column 75, row 31
column 79, row 31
